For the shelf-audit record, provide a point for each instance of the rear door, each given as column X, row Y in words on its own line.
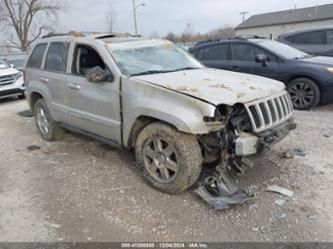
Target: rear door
column 54, row 77
column 94, row 107
column 215, row 56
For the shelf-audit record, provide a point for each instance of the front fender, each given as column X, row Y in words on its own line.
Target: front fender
column 140, row 98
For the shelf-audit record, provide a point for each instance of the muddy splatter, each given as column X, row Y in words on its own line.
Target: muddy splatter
column 255, row 88
column 186, row 89
column 240, row 95
column 222, row 86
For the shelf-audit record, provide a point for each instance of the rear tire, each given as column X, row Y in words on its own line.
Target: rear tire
column 304, row 93
column 171, row 160
column 46, row 126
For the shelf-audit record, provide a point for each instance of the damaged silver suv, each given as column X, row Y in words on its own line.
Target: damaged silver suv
column 154, row 97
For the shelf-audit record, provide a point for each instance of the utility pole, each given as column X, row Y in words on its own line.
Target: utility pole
column 243, row 14
column 135, row 7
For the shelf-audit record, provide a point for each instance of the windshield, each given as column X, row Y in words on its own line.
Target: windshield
column 146, row 58
column 283, row 49
column 3, row 65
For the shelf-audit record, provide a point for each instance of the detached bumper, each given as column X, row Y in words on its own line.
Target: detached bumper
column 248, row 144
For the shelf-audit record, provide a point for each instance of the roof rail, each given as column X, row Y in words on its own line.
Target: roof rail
column 240, row 37
column 250, row 37
column 96, row 35
column 71, row 33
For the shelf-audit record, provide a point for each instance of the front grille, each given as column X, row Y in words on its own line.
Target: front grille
column 7, row 80
column 269, row 112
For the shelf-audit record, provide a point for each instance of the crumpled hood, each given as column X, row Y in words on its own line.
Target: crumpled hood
column 217, row 86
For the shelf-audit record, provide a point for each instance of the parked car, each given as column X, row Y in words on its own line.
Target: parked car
column 315, row 41
column 11, row 81
column 309, row 79
column 17, row 63
column 154, row 97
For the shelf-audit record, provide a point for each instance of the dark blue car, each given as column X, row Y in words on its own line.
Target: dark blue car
column 309, row 79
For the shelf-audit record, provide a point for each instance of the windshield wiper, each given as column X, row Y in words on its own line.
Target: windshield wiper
column 184, row 68
column 150, row 72
column 163, row 71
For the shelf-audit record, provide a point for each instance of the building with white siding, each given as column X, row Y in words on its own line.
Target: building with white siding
column 271, row 25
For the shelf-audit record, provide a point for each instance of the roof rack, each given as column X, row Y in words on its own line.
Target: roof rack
column 96, row 35
column 240, row 37
column 71, row 33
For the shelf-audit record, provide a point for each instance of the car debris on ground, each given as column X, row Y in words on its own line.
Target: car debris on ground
column 280, row 190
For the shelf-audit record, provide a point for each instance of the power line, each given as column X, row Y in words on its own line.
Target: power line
column 243, row 14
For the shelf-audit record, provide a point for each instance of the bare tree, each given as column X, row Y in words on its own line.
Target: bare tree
column 110, row 19
column 225, row 31
column 24, row 21
column 188, row 33
column 171, row 37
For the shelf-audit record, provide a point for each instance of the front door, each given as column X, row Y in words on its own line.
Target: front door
column 94, row 107
column 244, row 60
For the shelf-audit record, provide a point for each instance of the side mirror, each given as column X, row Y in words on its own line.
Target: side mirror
column 97, row 74
column 261, row 58
column 12, row 65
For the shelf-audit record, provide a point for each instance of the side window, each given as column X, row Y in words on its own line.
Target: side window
column 216, row 52
column 247, row 52
column 56, row 58
column 36, row 57
column 86, row 57
column 243, row 52
column 292, row 39
column 330, row 37
column 313, row 38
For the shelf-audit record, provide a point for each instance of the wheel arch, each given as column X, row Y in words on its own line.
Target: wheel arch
column 140, row 123
column 34, row 96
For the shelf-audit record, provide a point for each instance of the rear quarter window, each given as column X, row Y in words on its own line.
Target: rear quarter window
column 37, row 55
column 56, row 59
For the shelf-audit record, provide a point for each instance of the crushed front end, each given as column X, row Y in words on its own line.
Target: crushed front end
column 236, row 132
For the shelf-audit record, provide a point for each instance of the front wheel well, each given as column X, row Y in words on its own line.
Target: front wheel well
column 139, row 124
column 33, row 99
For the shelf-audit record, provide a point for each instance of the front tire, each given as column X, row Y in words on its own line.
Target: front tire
column 304, row 93
column 46, row 126
column 171, row 160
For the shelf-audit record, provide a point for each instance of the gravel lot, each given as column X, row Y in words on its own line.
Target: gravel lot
column 78, row 190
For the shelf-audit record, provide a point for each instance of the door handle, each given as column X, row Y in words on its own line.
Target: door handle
column 74, row 86
column 45, row 80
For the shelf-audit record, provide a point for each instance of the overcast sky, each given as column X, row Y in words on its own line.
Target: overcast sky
column 162, row 16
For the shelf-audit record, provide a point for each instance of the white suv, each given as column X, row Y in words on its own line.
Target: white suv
column 11, row 81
